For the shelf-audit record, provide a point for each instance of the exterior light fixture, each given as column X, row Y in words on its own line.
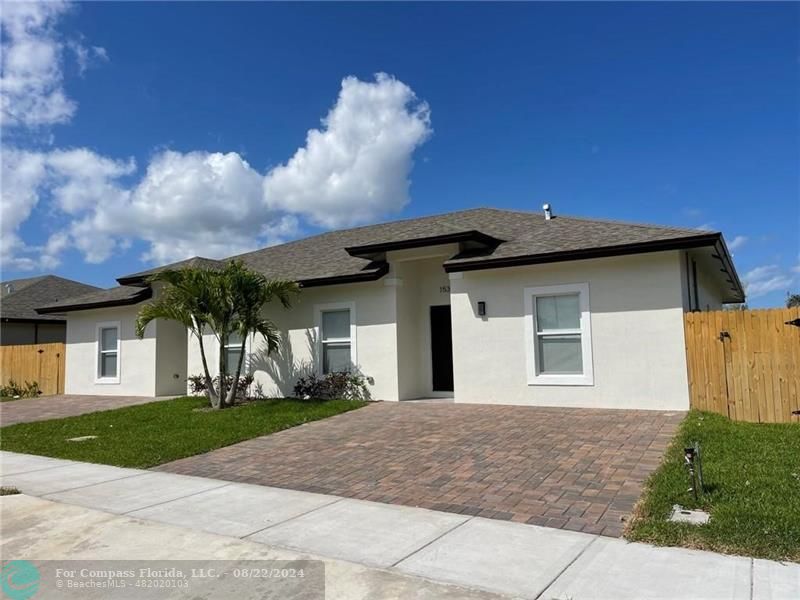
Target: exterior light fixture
column 481, row 309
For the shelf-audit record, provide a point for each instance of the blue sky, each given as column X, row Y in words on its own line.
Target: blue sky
column 142, row 132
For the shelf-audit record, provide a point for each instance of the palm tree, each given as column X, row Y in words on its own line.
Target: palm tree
column 222, row 301
column 249, row 293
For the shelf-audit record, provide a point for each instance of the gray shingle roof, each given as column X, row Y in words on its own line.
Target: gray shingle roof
column 523, row 234
column 194, row 262
column 117, row 296
column 25, row 295
column 507, row 237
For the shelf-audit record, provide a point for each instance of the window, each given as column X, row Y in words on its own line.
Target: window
column 336, row 337
column 233, row 349
column 108, row 352
column 558, row 335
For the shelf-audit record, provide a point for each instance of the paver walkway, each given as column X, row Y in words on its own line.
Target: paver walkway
column 522, row 561
column 26, row 410
column 574, row 469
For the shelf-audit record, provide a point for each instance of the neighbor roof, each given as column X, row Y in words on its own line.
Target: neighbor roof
column 19, row 298
column 488, row 238
column 122, row 295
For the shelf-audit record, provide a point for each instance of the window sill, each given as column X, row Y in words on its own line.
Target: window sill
column 582, row 380
column 107, row 381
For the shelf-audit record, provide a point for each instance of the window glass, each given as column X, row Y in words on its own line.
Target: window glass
column 336, row 325
column 233, row 350
column 558, row 312
column 108, row 338
column 335, row 357
column 107, row 359
column 108, row 365
column 560, row 354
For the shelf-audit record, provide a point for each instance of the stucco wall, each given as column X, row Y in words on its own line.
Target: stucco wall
column 376, row 340
column 424, row 284
column 171, row 358
column 637, row 334
column 710, row 294
column 136, row 362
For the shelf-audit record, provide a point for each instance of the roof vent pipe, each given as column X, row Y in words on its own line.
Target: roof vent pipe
column 548, row 214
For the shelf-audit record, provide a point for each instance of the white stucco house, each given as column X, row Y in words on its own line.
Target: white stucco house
column 482, row 305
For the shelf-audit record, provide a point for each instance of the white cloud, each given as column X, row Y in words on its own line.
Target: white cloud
column 87, row 56
column 22, row 175
column 766, row 279
column 31, row 81
column 196, row 203
column 355, row 168
column 738, row 242
column 213, row 204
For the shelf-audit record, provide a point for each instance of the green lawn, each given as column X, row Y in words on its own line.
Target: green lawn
column 151, row 434
column 752, row 476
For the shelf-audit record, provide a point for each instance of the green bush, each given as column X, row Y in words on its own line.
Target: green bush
column 344, row 385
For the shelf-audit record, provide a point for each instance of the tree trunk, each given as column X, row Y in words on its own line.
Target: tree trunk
column 210, row 391
column 223, row 339
column 235, row 384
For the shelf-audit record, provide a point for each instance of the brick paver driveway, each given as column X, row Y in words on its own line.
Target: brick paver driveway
column 26, row 410
column 569, row 468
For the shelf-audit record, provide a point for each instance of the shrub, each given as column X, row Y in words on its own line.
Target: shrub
column 13, row 390
column 197, row 384
column 346, row 385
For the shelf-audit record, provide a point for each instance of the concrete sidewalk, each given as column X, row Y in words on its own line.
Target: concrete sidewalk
column 485, row 555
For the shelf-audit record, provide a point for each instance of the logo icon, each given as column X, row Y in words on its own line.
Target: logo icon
column 20, row 579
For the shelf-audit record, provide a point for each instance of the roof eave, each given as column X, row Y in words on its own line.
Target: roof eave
column 374, row 275
column 708, row 239
column 55, row 321
column 473, row 235
column 134, row 280
column 145, row 294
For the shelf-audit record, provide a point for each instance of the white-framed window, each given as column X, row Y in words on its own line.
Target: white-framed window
column 558, row 336
column 233, row 349
column 108, row 352
column 336, row 337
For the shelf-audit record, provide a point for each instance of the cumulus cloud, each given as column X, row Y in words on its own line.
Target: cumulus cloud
column 195, row 203
column 766, row 279
column 356, row 168
column 31, row 80
column 215, row 204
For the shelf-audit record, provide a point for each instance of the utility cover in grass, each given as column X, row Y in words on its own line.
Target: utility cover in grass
column 685, row 515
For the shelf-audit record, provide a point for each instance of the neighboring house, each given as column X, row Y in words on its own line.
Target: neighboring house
column 486, row 305
column 19, row 321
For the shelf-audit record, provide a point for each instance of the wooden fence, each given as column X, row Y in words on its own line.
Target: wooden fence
column 42, row 363
column 745, row 364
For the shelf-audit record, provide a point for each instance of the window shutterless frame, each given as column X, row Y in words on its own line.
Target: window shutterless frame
column 104, row 352
column 534, row 335
column 334, row 342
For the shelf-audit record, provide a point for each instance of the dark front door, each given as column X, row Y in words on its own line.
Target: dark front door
column 442, row 349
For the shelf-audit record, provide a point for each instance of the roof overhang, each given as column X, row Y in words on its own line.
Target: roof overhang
column 462, row 263
column 145, row 294
column 378, row 271
column 54, row 321
column 468, row 239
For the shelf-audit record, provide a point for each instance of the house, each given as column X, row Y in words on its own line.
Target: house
column 19, row 321
column 482, row 305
